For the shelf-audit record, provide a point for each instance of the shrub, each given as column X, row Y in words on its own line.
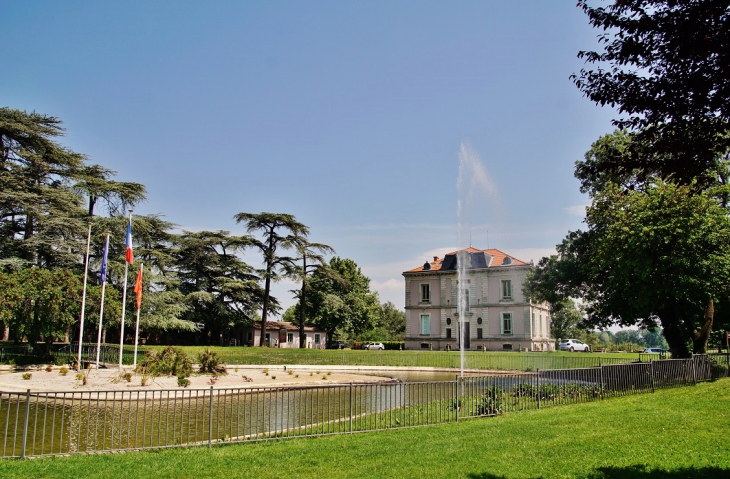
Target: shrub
column 210, row 362
column 63, row 371
column 49, row 368
column 183, row 382
column 167, row 362
column 490, row 403
column 27, row 376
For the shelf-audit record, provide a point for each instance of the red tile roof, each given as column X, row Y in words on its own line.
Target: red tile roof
column 497, row 255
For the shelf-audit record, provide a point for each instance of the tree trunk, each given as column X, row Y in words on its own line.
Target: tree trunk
column 700, row 338
column 302, row 302
column 269, row 256
column 673, row 334
column 264, row 311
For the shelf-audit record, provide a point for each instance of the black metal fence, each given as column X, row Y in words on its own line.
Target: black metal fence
column 52, row 423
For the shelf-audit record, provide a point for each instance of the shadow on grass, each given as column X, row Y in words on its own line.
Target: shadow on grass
column 637, row 472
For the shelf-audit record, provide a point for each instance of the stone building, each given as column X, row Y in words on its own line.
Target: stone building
column 496, row 315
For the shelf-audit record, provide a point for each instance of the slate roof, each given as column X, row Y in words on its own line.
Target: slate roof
column 479, row 259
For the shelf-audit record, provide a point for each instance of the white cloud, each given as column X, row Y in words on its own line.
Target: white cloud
column 391, row 284
column 576, row 210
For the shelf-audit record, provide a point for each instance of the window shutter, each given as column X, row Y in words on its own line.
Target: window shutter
column 501, row 323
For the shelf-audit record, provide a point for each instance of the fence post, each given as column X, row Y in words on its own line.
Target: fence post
column 456, row 384
column 694, row 370
column 727, row 355
column 210, row 419
column 25, row 424
column 350, row 407
column 601, row 370
column 651, row 373
column 538, row 388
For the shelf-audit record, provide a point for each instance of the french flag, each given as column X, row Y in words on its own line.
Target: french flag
column 130, row 257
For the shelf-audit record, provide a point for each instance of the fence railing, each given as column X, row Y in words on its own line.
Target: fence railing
column 52, row 423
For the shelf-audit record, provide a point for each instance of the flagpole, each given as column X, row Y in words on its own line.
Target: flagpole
column 83, row 297
column 136, row 329
column 124, row 296
column 103, row 289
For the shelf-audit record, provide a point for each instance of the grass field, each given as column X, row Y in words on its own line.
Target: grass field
column 679, row 433
column 412, row 358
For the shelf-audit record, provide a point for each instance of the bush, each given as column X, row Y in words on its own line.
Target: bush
column 210, row 362
column 167, row 362
column 183, row 382
column 63, row 371
column 27, row 376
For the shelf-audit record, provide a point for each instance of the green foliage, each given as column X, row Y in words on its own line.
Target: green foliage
column 635, row 243
column 220, row 290
column 565, row 319
column 27, row 376
column 279, row 232
column 39, row 303
column 210, row 362
column 663, row 66
column 342, row 300
column 166, row 362
column 183, row 382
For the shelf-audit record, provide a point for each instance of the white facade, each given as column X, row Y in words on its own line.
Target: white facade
column 496, row 315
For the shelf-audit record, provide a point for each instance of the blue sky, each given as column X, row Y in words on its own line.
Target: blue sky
column 348, row 115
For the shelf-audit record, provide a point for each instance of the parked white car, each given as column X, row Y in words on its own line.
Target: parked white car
column 574, row 345
column 375, row 346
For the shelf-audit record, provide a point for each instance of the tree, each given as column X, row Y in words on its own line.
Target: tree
column 668, row 71
column 280, row 232
column 39, row 212
column 39, row 304
column 95, row 182
column 565, row 319
column 312, row 260
column 393, row 321
column 220, row 290
column 343, row 302
column 660, row 256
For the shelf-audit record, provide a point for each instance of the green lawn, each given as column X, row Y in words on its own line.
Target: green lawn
column 412, row 358
column 679, row 433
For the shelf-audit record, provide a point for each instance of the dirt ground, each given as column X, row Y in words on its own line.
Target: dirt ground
column 237, row 377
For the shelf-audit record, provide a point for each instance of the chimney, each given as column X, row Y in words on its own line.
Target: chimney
column 435, row 258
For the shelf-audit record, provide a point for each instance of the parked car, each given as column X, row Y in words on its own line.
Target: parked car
column 655, row 351
column 374, row 346
column 336, row 345
column 574, row 345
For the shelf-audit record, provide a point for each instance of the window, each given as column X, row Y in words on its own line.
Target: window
column 289, row 337
column 316, row 338
column 425, row 324
column 425, row 293
column 448, row 321
column 506, row 289
column 506, row 323
column 249, row 336
column 448, row 333
column 479, row 321
column 480, row 335
column 507, row 347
